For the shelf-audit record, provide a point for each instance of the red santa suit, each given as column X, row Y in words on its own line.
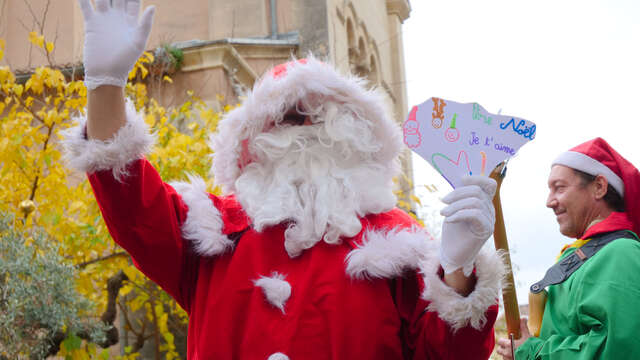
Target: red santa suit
column 374, row 294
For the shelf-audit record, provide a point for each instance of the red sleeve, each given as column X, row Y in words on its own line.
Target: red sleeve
column 426, row 335
column 144, row 216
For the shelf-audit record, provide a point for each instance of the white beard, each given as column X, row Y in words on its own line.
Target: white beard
column 316, row 179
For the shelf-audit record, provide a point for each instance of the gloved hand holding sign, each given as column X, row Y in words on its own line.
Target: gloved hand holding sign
column 468, row 223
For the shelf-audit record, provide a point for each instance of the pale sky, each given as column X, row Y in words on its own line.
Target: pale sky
column 572, row 67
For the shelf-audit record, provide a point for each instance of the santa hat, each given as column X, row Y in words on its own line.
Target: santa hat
column 597, row 157
column 282, row 88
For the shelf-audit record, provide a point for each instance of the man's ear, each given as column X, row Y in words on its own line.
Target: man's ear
column 600, row 186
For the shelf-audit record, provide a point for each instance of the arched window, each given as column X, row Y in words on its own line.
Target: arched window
column 351, row 36
column 373, row 71
column 359, row 65
column 351, row 45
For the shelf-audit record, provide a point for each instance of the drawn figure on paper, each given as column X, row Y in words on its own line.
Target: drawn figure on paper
column 411, row 130
column 452, row 134
column 438, row 112
column 484, row 162
column 462, row 155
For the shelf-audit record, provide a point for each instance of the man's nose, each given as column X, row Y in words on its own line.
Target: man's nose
column 552, row 202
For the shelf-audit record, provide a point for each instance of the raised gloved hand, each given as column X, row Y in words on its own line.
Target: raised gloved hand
column 114, row 39
column 469, row 221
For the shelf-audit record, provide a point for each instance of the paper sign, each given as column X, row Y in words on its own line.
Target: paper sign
column 464, row 139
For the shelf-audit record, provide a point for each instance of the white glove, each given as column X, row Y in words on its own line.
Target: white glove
column 113, row 40
column 469, row 222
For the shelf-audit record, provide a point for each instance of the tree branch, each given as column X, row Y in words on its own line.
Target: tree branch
column 114, row 284
column 93, row 261
column 33, row 14
column 156, row 333
column 44, row 148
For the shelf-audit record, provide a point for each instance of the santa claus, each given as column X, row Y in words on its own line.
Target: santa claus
column 305, row 257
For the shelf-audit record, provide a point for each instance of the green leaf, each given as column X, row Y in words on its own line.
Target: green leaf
column 168, row 337
column 72, row 342
column 16, row 139
column 47, row 160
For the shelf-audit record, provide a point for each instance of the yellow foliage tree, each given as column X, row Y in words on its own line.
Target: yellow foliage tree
column 37, row 188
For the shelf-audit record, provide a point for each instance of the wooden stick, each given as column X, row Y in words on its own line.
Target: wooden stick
column 509, row 297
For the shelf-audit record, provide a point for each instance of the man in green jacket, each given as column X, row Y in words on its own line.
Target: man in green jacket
column 592, row 309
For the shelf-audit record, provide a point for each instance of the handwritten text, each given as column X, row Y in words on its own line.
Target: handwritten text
column 522, row 129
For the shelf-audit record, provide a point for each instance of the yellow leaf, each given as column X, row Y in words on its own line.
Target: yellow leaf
column 143, row 71
column 148, row 55
column 132, row 73
column 416, row 199
column 35, row 84
column 51, row 118
column 36, row 39
column 2, row 44
column 150, row 119
column 135, row 304
column 125, row 290
column 78, row 355
column 33, row 37
column 76, row 205
column 49, row 46
column 167, row 79
column 168, row 337
column 130, row 272
column 432, row 188
column 17, row 89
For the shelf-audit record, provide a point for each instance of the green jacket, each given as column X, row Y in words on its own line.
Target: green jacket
column 595, row 313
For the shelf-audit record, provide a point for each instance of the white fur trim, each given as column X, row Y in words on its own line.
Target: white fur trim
column 278, row 356
column 275, row 289
column 204, row 222
column 272, row 96
column 579, row 161
column 457, row 310
column 131, row 142
column 387, row 254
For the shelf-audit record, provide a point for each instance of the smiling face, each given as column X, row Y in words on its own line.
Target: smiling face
column 411, row 127
column 575, row 203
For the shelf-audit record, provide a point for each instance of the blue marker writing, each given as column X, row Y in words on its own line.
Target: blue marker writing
column 521, row 128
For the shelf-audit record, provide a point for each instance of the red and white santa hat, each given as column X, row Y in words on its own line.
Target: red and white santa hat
column 282, row 88
column 597, row 157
